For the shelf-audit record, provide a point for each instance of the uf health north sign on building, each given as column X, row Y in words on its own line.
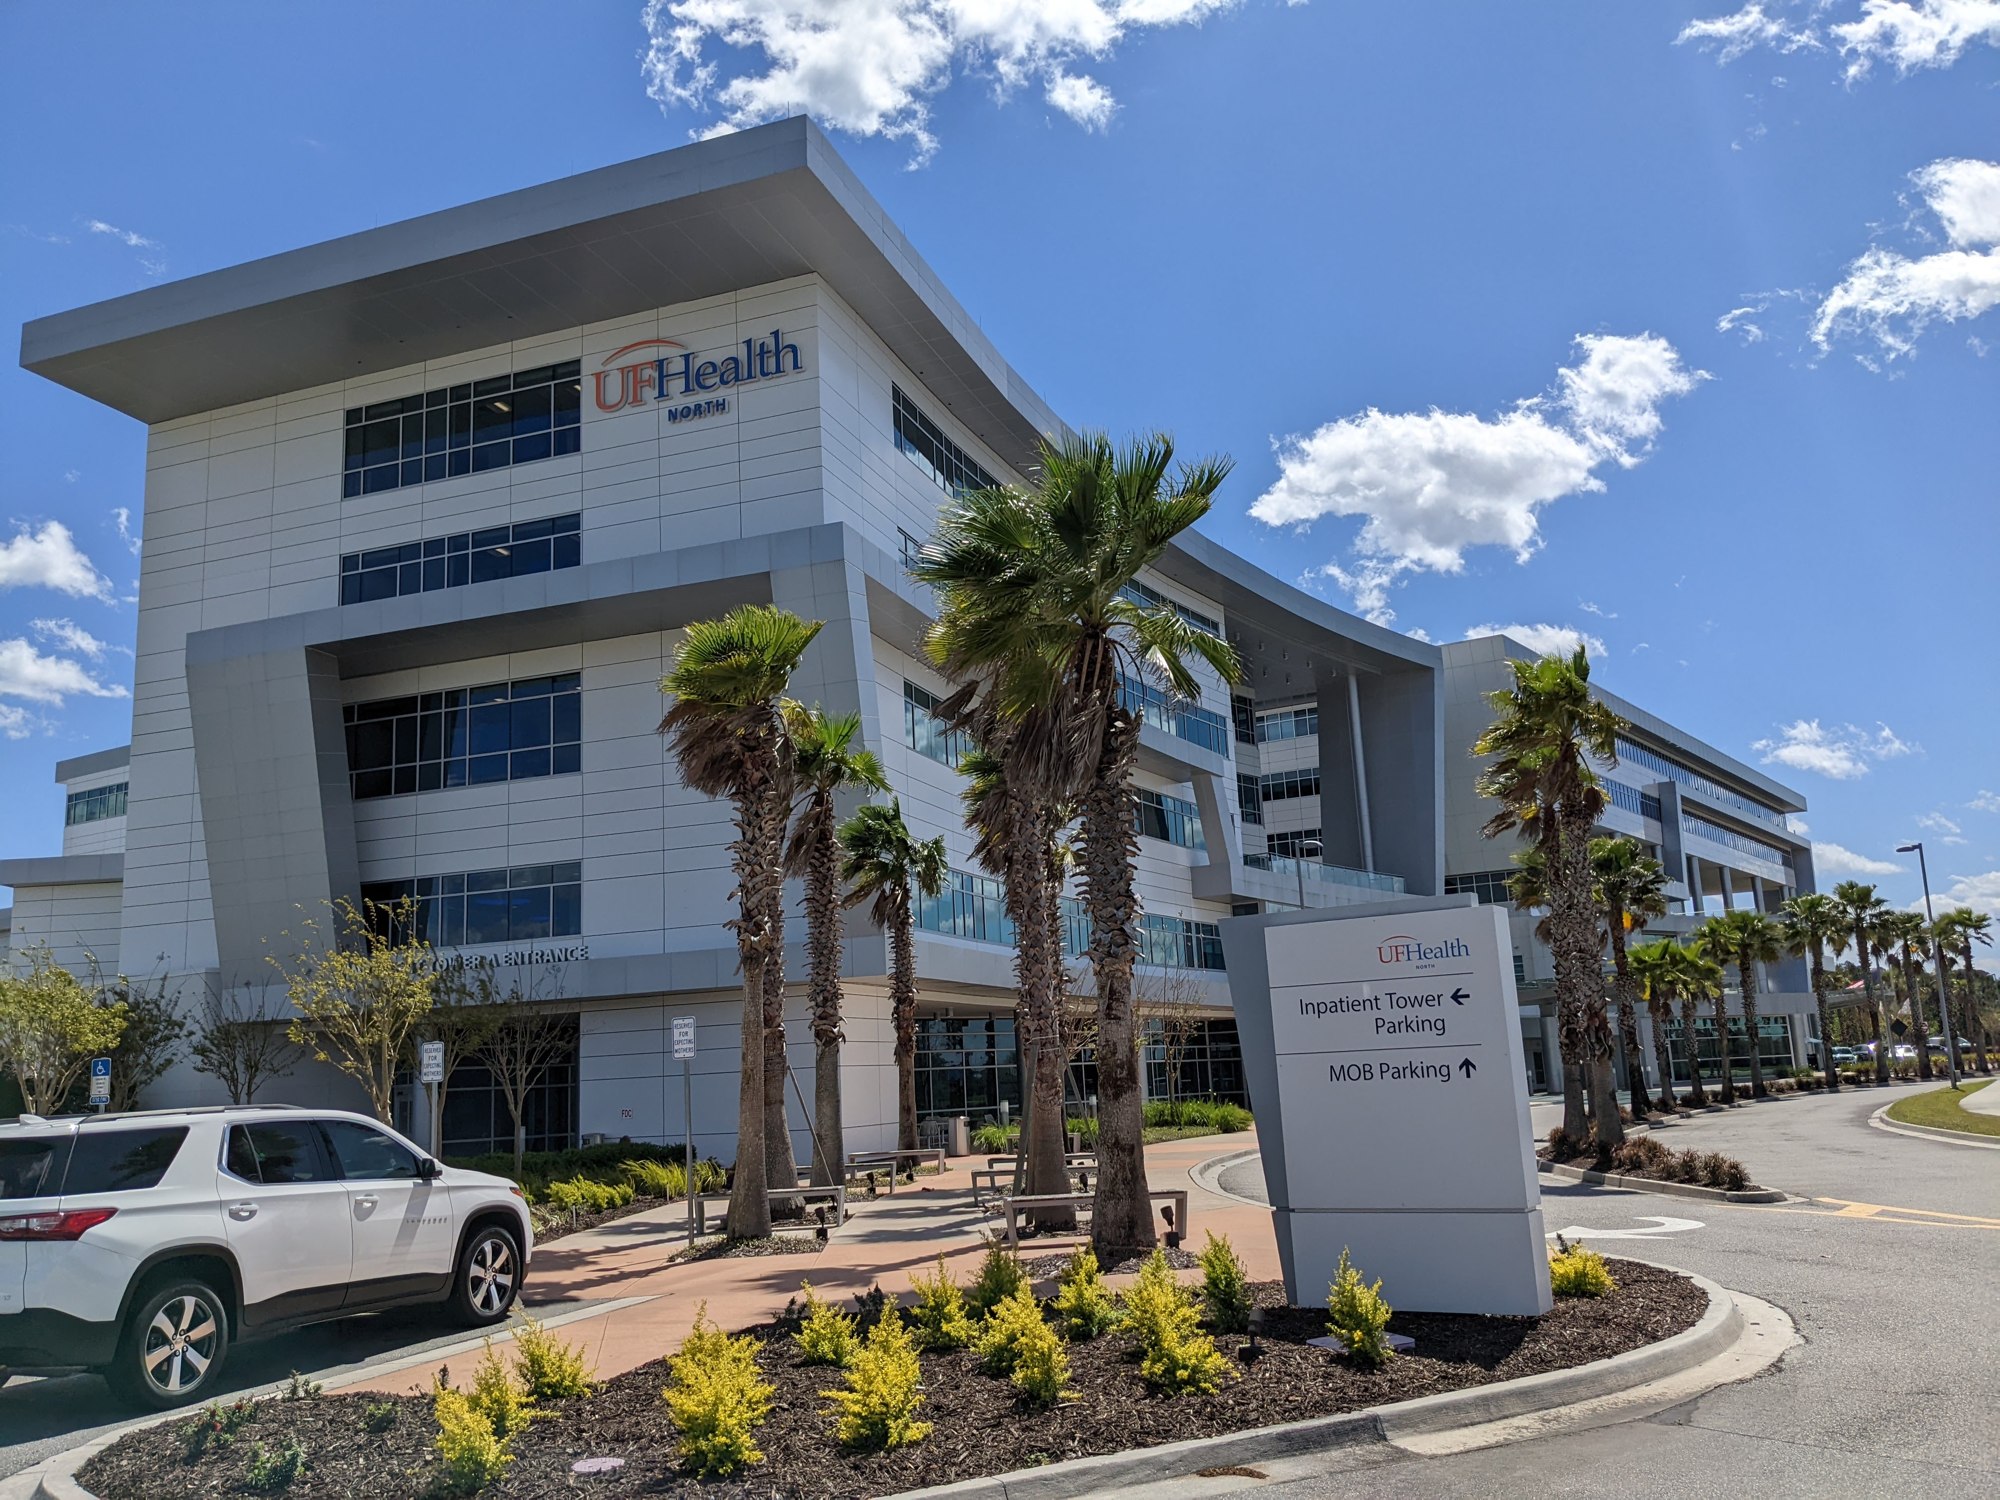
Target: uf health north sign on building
column 1383, row 1052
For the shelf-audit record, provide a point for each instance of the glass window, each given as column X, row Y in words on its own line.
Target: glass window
column 508, row 419
column 31, row 1167
column 95, row 805
column 926, row 731
column 464, row 737
column 950, row 467
column 465, row 557
column 1282, row 784
column 525, row 904
column 366, row 1153
column 111, row 1161
column 282, row 1151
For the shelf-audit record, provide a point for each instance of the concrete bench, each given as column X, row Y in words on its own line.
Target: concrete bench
column 837, row 1195
column 863, row 1160
column 1073, row 1158
column 1015, row 1203
column 998, row 1180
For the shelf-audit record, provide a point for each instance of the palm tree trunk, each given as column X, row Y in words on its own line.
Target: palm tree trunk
column 1728, row 1089
column 1663, row 1057
column 1696, row 1096
column 1628, row 1019
column 824, row 939
column 757, row 871
column 1037, row 962
column 903, row 1008
column 1122, row 1215
column 1579, row 962
column 1874, row 1009
column 1923, row 1035
column 1746, row 978
column 1975, row 1024
column 781, row 1169
column 1825, row 1022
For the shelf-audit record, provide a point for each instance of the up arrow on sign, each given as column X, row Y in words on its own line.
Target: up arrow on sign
column 1468, row 1067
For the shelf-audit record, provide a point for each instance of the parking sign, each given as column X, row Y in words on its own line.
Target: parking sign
column 430, row 1062
column 100, row 1080
column 683, row 1038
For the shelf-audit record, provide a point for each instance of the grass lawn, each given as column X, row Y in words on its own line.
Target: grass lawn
column 1938, row 1108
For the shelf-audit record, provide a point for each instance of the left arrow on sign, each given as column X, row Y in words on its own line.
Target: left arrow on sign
column 1459, row 997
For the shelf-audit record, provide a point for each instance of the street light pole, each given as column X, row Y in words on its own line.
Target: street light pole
column 1937, row 959
column 1308, row 849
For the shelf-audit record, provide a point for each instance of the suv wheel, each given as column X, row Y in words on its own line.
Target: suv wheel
column 174, row 1345
column 488, row 1277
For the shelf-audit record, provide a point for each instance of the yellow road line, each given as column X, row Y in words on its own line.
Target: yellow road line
column 1882, row 1213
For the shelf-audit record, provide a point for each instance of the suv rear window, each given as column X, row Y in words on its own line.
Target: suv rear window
column 32, row 1167
column 119, row 1161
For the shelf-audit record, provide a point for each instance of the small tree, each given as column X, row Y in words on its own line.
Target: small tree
column 1172, row 1017
column 155, row 1031
column 361, row 984
column 50, row 1028
column 529, row 1039
column 466, row 1010
column 242, row 1040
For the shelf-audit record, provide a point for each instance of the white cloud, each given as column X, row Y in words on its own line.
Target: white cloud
column 1545, row 640
column 1841, row 751
column 1796, row 823
column 70, row 636
column 1905, row 34
column 1891, row 298
column 1737, row 320
column 127, row 237
column 1591, row 609
column 1732, row 36
column 1982, row 894
column 1937, row 823
column 130, row 537
column 1832, row 859
column 18, row 723
column 26, row 673
column 49, row 558
column 1985, row 802
column 1430, row 485
column 870, row 67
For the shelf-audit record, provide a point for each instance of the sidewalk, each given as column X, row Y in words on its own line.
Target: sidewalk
column 884, row 1241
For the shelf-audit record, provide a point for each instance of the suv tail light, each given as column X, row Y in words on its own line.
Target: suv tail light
column 67, row 1224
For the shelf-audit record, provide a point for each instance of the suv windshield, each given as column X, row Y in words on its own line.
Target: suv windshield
column 31, row 1167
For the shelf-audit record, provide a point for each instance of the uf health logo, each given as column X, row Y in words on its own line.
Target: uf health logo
column 694, row 383
column 1407, row 950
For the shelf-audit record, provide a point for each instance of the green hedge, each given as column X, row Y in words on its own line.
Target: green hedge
column 558, row 1177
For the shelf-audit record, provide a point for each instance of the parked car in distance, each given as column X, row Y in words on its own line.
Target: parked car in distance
column 144, row 1245
column 1903, row 1052
column 1844, row 1055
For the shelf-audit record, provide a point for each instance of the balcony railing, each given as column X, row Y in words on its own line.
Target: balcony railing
column 1325, row 874
column 1182, row 720
column 975, row 907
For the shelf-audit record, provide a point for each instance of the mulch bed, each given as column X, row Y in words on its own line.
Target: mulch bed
column 547, row 1233
column 980, row 1427
column 718, row 1248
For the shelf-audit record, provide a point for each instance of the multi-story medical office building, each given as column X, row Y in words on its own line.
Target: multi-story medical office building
column 426, row 509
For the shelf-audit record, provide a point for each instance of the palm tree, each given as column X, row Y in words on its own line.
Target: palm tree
column 1034, row 611
column 1548, row 727
column 1631, row 887
column 726, row 730
column 1694, row 977
column 1812, row 922
column 1653, row 972
column 825, row 763
column 885, row 863
column 1864, row 909
column 1965, row 926
column 1746, row 939
column 1903, row 930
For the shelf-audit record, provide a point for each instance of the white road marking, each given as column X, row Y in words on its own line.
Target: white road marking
column 1661, row 1225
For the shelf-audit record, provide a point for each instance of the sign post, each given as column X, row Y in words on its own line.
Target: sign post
column 100, row 1082
column 684, row 1055
column 430, row 1072
column 1383, row 1049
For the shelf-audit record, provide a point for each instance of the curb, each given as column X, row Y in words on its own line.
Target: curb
column 1712, row 1334
column 1651, row 1185
column 1206, row 1174
column 1881, row 1121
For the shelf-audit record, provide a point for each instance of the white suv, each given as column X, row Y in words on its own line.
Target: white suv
column 144, row 1244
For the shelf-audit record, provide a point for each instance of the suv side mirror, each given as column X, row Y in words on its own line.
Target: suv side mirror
column 428, row 1170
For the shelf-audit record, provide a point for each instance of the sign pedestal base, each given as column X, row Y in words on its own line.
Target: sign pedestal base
column 1428, row 1261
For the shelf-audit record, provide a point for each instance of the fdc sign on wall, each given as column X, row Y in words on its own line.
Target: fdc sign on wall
column 1384, row 1059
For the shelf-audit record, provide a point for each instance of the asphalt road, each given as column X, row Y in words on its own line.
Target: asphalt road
column 1888, row 1268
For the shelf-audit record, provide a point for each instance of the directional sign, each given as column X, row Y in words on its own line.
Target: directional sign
column 1899, row 1027
column 1383, row 1052
column 430, row 1062
column 683, row 1038
column 100, row 1080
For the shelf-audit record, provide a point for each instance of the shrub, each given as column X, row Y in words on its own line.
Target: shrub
column 1562, row 1146
column 1007, row 1327
column 497, row 1398
column 1725, row 1172
column 379, row 1416
column 716, row 1399
column 299, row 1388
column 268, row 1471
column 216, row 1427
column 1642, row 1156
column 1174, row 1354
column 474, row 1454
column 1577, row 1272
column 1041, row 1369
column 1198, row 1114
column 549, row 1369
column 582, row 1195
column 1000, row 1276
column 826, row 1334
column 878, row 1408
column 1225, row 1286
column 1356, row 1315
column 1084, row 1127
column 655, row 1179
column 940, row 1313
column 994, row 1139
column 1084, row 1307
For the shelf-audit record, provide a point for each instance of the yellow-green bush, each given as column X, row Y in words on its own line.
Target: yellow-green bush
column 580, row 1195
column 655, row 1179
column 1577, row 1272
column 1084, row 1306
column 1041, row 1369
column 1007, row 1327
column 1225, row 1286
column 496, row 1396
column 549, row 1369
column 942, row 1323
column 878, row 1408
column 1356, row 1315
column 1174, row 1354
column 1000, row 1276
column 826, row 1334
column 716, row 1399
column 474, row 1455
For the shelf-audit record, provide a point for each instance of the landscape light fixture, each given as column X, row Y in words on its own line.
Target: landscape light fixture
column 1308, row 849
column 1937, row 958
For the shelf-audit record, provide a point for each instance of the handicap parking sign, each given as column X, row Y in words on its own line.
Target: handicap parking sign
column 100, row 1080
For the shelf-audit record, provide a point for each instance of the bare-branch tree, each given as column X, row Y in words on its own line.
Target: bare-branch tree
column 155, row 1031
column 240, row 1039
column 1171, row 1014
column 533, row 1035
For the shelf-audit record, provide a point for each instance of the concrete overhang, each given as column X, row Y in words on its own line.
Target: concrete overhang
column 63, row 869
column 699, row 221
column 79, row 766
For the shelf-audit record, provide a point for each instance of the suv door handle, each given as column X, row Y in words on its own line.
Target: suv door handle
column 242, row 1211
column 367, row 1200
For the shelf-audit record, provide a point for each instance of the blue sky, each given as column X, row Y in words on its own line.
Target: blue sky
column 1665, row 323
